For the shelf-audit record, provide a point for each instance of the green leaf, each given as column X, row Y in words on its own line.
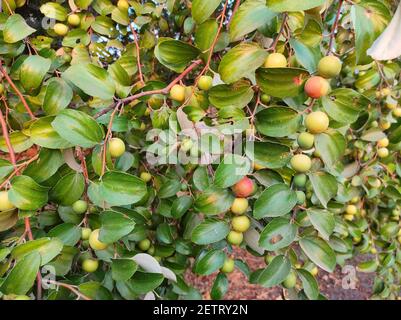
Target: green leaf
column 142, row 282
column 344, row 105
column 68, row 189
column 19, row 141
column 180, row 206
column 43, row 134
column 57, row 97
column 290, row 5
column 169, row 188
column 319, row 252
column 281, row 82
column 278, row 234
column 68, row 233
column 307, row 57
column 47, row 248
column 208, row 262
column 119, row 188
column 309, row 283
column 78, row 128
column 220, row 287
column 123, row 269
column 331, row 146
column 201, row 179
column 369, row 18
column 367, row 266
column 238, row 94
column 324, row 185
column 251, row 15
column 48, row 163
column 115, row 225
column 16, row 29
column 268, row 154
column 275, row 273
column 202, row 10
column 175, row 54
column 241, row 61
column 91, row 79
column 8, row 219
column 278, row 121
column 63, row 262
column 26, row 194
column 54, row 10
column 32, row 71
column 164, row 233
column 204, row 36
column 22, row 277
column 231, row 170
column 275, row 201
column 213, row 201
column 323, row 221
column 210, row 231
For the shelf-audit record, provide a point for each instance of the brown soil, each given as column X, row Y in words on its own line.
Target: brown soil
column 240, row 289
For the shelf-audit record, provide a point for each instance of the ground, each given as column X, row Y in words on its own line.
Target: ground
column 331, row 285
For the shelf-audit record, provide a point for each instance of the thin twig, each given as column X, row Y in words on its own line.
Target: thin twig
column 280, row 33
column 334, row 28
column 69, row 287
column 5, row 74
column 138, row 54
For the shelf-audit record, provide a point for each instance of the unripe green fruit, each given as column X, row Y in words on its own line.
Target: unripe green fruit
column 22, row 297
column 301, row 163
column 144, row 245
column 384, row 125
column 186, row 144
column 306, row 140
column 351, row 209
column 269, row 258
column 239, row 206
column 94, row 241
column 383, row 153
column 90, row 265
column 235, row 238
column 116, row 147
column 205, row 83
column 184, row 187
column 329, row 67
column 301, row 197
column 60, row 29
column 290, row 281
column 123, row 5
column 1, row 89
column 383, row 143
column 300, row 180
column 146, row 176
column 314, row 272
column 241, row 223
column 228, row 266
column 397, row 112
column 275, row 60
column 85, row 233
column 265, row 98
column 317, row 122
column 177, row 93
column 356, row 181
column 80, row 206
column 74, row 20
column 5, row 204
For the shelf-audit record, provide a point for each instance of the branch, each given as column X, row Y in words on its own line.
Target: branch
column 280, row 33
column 138, row 54
column 236, row 6
column 8, row 142
column 164, row 91
column 5, row 74
column 335, row 27
column 69, row 287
